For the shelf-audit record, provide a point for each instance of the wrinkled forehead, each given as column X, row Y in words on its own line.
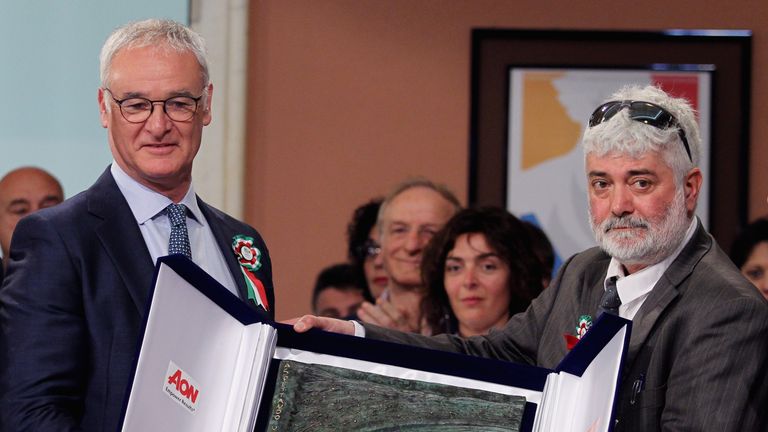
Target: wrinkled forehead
column 621, row 164
column 418, row 206
column 143, row 60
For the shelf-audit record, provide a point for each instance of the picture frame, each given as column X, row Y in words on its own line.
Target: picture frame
column 724, row 55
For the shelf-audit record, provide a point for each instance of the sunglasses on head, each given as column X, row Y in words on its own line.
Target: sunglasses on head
column 641, row 111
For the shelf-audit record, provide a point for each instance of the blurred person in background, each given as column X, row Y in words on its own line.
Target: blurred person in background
column 23, row 191
column 338, row 292
column 363, row 249
column 480, row 269
column 750, row 254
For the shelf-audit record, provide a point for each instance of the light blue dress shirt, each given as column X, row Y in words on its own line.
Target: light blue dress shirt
column 147, row 207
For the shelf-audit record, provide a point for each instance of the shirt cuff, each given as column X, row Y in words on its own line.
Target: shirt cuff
column 359, row 329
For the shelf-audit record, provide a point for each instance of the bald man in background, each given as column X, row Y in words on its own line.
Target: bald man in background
column 23, row 191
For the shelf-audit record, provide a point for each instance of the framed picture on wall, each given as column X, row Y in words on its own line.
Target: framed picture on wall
column 533, row 92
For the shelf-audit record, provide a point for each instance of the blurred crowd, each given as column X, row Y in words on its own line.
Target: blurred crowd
column 419, row 262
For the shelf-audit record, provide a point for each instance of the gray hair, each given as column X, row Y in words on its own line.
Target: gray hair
column 623, row 135
column 156, row 32
column 415, row 182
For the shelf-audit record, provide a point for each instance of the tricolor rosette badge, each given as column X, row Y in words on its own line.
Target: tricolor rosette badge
column 582, row 327
column 585, row 322
column 249, row 257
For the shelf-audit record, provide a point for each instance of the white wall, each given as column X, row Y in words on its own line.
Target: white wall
column 219, row 169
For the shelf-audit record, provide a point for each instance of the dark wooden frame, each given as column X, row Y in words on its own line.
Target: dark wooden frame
column 494, row 51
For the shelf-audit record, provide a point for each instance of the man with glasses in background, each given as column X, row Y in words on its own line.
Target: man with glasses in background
column 698, row 352
column 80, row 273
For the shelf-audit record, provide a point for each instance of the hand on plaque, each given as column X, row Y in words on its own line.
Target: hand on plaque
column 334, row 325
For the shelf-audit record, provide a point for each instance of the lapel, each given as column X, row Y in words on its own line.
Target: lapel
column 666, row 290
column 121, row 238
column 223, row 235
column 595, row 283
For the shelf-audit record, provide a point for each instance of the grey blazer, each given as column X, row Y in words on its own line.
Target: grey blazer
column 698, row 354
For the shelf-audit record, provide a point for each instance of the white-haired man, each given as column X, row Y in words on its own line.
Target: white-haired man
column 698, row 350
column 408, row 218
column 78, row 280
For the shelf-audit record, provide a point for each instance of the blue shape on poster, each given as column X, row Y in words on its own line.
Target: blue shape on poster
column 531, row 218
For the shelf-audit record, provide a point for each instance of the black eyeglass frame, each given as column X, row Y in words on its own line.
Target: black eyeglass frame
column 368, row 249
column 152, row 103
column 639, row 111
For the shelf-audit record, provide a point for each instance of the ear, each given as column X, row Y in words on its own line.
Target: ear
column 692, row 187
column 207, row 107
column 103, row 108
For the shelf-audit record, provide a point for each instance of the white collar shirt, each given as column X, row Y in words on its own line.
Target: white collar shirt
column 634, row 289
column 147, row 207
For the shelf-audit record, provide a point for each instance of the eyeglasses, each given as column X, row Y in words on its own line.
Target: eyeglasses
column 643, row 112
column 368, row 249
column 138, row 109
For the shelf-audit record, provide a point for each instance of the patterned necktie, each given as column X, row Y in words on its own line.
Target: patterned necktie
column 610, row 301
column 179, row 241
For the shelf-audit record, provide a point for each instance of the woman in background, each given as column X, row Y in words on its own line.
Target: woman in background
column 750, row 254
column 363, row 248
column 480, row 269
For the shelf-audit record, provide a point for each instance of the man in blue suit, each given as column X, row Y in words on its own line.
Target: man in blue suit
column 79, row 274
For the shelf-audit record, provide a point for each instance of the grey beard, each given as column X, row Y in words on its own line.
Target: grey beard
column 658, row 241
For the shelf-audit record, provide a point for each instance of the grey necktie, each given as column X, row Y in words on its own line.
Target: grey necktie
column 179, row 241
column 610, row 301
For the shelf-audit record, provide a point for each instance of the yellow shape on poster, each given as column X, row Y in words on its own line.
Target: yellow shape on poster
column 548, row 131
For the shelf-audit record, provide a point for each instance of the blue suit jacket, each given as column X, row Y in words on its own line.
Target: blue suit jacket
column 72, row 306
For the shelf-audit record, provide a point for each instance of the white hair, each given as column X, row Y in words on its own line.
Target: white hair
column 620, row 134
column 155, row 32
column 416, row 182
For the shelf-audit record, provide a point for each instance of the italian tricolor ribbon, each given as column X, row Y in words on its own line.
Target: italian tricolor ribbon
column 249, row 258
column 585, row 322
